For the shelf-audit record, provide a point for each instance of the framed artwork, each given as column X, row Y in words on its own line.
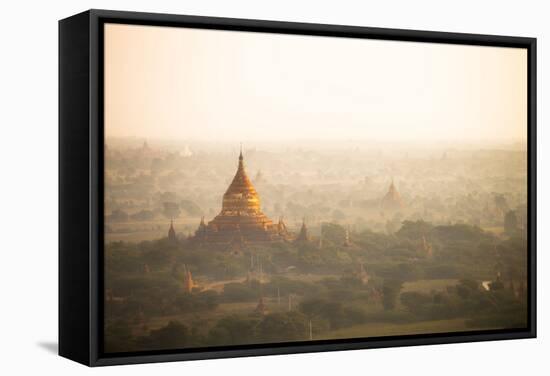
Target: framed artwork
column 234, row 187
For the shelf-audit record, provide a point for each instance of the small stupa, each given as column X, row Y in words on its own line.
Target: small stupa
column 188, row 283
column 303, row 235
column 172, row 238
column 392, row 200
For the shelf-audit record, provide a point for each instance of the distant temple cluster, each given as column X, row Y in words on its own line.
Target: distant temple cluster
column 241, row 222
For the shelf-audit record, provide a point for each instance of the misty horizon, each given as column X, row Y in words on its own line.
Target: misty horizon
column 172, row 83
column 361, row 144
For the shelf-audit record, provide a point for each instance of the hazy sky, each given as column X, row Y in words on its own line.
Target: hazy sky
column 176, row 83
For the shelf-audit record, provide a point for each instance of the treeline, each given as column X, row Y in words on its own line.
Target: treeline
column 500, row 306
column 456, row 251
column 230, row 330
column 339, row 304
column 330, row 303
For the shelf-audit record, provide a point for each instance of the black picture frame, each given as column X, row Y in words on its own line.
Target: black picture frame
column 81, row 185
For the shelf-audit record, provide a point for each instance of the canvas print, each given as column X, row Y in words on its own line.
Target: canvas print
column 264, row 188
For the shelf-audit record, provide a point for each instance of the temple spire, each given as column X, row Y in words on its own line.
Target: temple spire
column 303, row 236
column 392, row 186
column 392, row 200
column 240, row 169
column 172, row 233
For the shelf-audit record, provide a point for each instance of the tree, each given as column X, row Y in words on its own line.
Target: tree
column 232, row 330
column 510, row 223
column 467, row 288
column 118, row 337
column 239, row 292
column 175, row 335
column 414, row 230
column 287, row 326
column 333, row 233
column 322, row 308
column 415, row 301
column 390, row 291
column 312, row 307
column 459, row 233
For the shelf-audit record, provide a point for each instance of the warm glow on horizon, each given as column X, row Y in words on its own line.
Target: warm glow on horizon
column 179, row 83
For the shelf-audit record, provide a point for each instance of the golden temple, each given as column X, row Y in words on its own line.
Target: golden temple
column 241, row 220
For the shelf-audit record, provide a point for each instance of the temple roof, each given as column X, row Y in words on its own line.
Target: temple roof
column 392, row 198
column 392, row 191
column 241, row 183
column 241, row 195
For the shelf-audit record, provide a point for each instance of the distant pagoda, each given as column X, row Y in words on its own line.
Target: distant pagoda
column 172, row 238
column 392, row 200
column 303, row 235
column 241, row 219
